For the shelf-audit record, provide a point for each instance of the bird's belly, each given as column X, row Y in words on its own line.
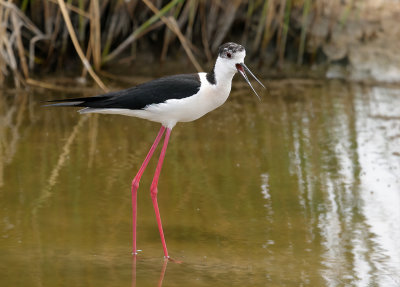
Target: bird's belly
column 168, row 113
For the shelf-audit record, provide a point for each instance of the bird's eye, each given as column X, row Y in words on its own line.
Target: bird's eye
column 229, row 55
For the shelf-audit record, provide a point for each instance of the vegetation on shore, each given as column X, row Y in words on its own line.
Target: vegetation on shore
column 44, row 34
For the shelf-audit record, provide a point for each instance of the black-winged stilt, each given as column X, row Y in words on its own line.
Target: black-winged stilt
column 169, row 100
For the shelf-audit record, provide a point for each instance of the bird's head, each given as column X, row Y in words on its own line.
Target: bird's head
column 232, row 55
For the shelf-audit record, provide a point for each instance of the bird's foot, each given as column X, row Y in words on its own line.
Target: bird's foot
column 136, row 253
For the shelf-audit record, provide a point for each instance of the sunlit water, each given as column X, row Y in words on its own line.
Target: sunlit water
column 301, row 189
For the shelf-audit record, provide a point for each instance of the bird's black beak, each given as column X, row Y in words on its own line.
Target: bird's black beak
column 241, row 68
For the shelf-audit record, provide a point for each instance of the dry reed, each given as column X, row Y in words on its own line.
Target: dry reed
column 43, row 35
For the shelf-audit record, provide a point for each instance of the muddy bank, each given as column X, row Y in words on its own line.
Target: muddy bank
column 361, row 41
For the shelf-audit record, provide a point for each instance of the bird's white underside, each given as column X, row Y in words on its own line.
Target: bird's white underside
column 208, row 98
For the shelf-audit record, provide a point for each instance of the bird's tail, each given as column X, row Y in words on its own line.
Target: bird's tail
column 77, row 102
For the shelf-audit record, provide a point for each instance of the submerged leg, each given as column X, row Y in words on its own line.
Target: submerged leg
column 154, row 191
column 164, row 268
column 135, row 185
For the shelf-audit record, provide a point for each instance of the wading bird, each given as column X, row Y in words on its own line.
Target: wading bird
column 169, row 100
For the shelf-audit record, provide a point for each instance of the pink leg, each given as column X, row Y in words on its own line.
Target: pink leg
column 154, row 191
column 135, row 184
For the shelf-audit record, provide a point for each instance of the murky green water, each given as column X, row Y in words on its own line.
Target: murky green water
column 302, row 189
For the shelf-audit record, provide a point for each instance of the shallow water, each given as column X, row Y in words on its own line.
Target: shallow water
column 301, row 189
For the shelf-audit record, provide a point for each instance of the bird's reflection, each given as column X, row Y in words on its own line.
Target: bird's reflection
column 164, row 268
column 162, row 274
column 133, row 271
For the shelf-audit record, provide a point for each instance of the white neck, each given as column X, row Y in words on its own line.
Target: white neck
column 223, row 72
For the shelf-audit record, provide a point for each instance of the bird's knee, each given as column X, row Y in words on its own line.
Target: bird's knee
column 153, row 191
column 135, row 185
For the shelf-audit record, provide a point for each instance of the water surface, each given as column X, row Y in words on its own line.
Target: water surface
column 301, row 189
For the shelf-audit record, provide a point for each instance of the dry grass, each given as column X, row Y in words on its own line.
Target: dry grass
column 45, row 34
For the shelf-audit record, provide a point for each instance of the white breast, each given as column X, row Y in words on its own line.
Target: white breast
column 208, row 98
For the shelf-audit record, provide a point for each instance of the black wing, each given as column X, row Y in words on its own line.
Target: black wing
column 138, row 97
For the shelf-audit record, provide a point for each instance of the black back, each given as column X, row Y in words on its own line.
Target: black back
column 153, row 92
